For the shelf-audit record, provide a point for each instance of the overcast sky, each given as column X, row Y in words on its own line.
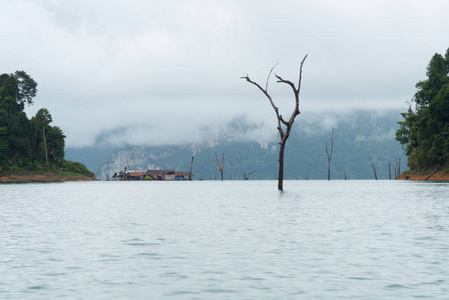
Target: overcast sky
column 158, row 72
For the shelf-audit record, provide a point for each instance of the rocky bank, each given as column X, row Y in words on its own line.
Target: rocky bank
column 436, row 176
column 42, row 178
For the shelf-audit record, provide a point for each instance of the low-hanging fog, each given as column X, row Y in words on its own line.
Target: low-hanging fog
column 168, row 72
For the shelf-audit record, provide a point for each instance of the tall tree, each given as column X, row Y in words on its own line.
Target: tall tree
column 284, row 126
column 44, row 118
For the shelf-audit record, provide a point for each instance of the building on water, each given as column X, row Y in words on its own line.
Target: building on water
column 151, row 175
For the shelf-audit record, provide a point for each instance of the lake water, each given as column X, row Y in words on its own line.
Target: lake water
column 225, row 240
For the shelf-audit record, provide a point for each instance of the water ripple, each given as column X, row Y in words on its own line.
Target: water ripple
column 225, row 240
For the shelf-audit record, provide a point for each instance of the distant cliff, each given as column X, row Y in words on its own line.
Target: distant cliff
column 362, row 135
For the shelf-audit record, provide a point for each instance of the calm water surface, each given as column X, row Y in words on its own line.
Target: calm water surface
column 225, row 240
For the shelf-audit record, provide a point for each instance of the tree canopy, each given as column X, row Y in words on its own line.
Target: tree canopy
column 424, row 132
column 28, row 144
column 26, row 88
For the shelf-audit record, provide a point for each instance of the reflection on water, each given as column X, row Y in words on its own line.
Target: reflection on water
column 224, row 240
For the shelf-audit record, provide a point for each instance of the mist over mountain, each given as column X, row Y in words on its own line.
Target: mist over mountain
column 246, row 147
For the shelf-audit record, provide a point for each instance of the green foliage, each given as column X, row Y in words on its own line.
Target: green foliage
column 43, row 117
column 56, row 144
column 76, row 167
column 425, row 131
column 35, row 166
column 26, row 88
column 24, row 143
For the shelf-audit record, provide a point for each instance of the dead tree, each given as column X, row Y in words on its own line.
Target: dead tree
column 190, row 172
column 220, row 167
column 371, row 160
column 246, row 176
column 283, row 132
column 329, row 154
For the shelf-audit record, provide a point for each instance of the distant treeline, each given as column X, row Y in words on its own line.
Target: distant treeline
column 29, row 144
column 425, row 129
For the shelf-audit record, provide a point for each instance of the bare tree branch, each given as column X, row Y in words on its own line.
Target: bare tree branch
column 276, row 109
column 269, row 74
column 287, row 82
column 300, row 72
column 246, row 176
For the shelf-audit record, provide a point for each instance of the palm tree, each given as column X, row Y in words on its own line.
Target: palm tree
column 43, row 118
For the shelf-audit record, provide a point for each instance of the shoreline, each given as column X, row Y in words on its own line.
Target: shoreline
column 436, row 176
column 49, row 177
column 24, row 178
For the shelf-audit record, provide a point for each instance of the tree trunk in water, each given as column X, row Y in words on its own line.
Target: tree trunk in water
column 45, row 145
column 371, row 160
column 190, row 172
column 220, row 167
column 374, row 169
column 281, row 165
column 329, row 155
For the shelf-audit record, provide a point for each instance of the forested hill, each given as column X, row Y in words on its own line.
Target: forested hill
column 424, row 132
column 29, row 145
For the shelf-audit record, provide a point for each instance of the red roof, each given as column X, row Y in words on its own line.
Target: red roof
column 136, row 173
column 182, row 174
column 156, row 173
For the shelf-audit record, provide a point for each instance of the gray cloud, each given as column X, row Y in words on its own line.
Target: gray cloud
column 168, row 71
